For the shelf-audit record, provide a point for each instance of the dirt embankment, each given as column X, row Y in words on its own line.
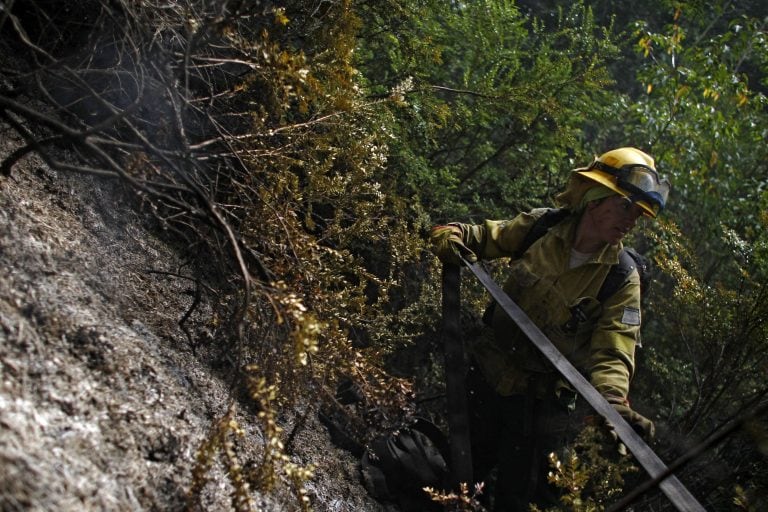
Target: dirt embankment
column 102, row 403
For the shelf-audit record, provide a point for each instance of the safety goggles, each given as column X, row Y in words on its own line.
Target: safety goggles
column 641, row 182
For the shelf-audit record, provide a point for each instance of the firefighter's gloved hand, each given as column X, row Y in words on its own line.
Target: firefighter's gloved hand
column 448, row 245
column 642, row 425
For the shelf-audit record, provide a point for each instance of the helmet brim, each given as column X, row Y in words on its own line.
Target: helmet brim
column 609, row 181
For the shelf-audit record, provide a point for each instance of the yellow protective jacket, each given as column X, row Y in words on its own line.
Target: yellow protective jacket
column 600, row 341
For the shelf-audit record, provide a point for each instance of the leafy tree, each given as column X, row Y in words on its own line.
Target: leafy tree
column 493, row 103
column 703, row 112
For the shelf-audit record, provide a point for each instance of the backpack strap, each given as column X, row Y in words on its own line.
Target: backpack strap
column 540, row 227
column 643, row 268
column 629, row 260
column 617, row 275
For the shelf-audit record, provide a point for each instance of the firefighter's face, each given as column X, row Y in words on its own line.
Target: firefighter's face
column 614, row 217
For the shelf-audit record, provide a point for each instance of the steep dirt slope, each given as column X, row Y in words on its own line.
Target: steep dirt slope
column 102, row 404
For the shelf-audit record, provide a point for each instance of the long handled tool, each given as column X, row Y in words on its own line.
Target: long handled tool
column 680, row 497
column 455, row 372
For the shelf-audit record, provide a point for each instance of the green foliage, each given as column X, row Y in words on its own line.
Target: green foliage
column 704, row 116
column 590, row 474
column 713, row 357
column 494, row 106
column 312, row 201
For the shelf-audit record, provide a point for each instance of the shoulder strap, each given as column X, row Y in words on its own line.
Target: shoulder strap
column 617, row 276
column 540, row 227
column 643, row 267
column 629, row 260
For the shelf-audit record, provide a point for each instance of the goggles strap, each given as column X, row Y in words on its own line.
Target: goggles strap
column 651, row 197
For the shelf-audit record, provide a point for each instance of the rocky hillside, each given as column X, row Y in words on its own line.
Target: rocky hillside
column 103, row 405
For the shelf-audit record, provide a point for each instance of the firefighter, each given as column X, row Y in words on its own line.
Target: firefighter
column 520, row 409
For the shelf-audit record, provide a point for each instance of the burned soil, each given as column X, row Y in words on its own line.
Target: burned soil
column 103, row 404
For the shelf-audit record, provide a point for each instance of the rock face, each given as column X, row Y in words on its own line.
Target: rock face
column 102, row 403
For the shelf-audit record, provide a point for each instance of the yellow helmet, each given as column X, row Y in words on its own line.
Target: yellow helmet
column 631, row 173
